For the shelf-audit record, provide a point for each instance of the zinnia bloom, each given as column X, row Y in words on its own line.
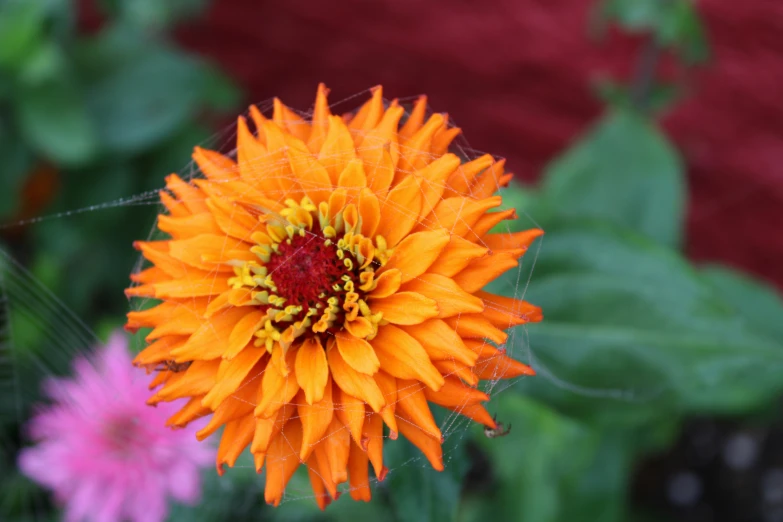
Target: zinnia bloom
column 326, row 280
column 105, row 454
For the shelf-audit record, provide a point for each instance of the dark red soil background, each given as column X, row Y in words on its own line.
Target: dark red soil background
column 516, row 75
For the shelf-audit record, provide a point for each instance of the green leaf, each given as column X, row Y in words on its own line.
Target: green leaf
column 54, row 120
column 623, row 171
column 221, row 93
column 144, row 100
column 21, row 29
column 755, row 303
column 536, row 466
column 617, row 96
column 683, row 30
column 418, row 492
column 675, row 23
column 16, row 164
column 152, row 14
column 632, row 334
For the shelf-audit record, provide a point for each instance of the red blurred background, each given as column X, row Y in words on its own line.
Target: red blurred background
column 516, row 75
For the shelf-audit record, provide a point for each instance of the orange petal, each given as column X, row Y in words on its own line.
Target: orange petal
column 457, row 254
column 211, row 339
column 455, row 395
column 359, row 385
column 372, row 432
column 282, row 461
column 403, row 357
column 370, row 212
column 231, row 374
column 191, row 411
column 159, row 351
column 451, row 299
column 180, row 227
column 484, row 270
column 443, row 138
column 501, row 367
column 157, row 252
column 353, row 177
column 415, row 151
column 313, row 177
column 370, row 113
column 430, row 447
column 412, row 402
column 379, row 165
column 388, row 386
column 405, row 308
column 358, row 474
column 434, row 176
column 337, row 443
column 203, row 250
column 214, row 165
column 239, row 404
column 458, row 369
column 169, row 318
column 476, row 326
column 175, row 208
column 243, row 332
column 490, row 181
column 441, row 342
column 312, row 371
column 149, row 275
column 285, row 118
column 267, row 429
column 233, row 220
column 414, row 255
column 400, row 211
column 476, row 412
column 351, row 412
column 196, row 283
column 315, row 420
column 386, row 284
column 258, row 120
column 236, row 437
column 252, row 160
column 320, row 121
column 231, row 297
column 198, row 379
column 324, row 469
column 516, row 240
column 458, row 215
column 276, row 389
column 191, row 197
column 488, row 221
column 319, row 489
column 338, row 148
column 461, row 180
column 360, row 327
column 357, row 353
column 415, row 118
column 505, row 312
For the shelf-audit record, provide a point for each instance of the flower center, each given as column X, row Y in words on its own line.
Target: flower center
column 305, row 270
column 313, row 272
column 122, row 436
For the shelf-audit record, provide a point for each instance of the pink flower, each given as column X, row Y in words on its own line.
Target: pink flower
column 106, row 454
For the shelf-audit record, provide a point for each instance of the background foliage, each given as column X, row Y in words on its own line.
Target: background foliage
column 636, row 339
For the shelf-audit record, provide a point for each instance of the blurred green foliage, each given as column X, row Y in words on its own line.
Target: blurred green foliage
column 87, row 121
column 635, row 338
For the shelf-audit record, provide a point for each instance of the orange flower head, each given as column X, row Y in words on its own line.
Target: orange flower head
column 324, row 280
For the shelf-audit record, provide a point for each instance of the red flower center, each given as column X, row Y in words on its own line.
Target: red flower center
column 306, row 270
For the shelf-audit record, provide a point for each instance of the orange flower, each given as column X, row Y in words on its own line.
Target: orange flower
column 324, row 281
